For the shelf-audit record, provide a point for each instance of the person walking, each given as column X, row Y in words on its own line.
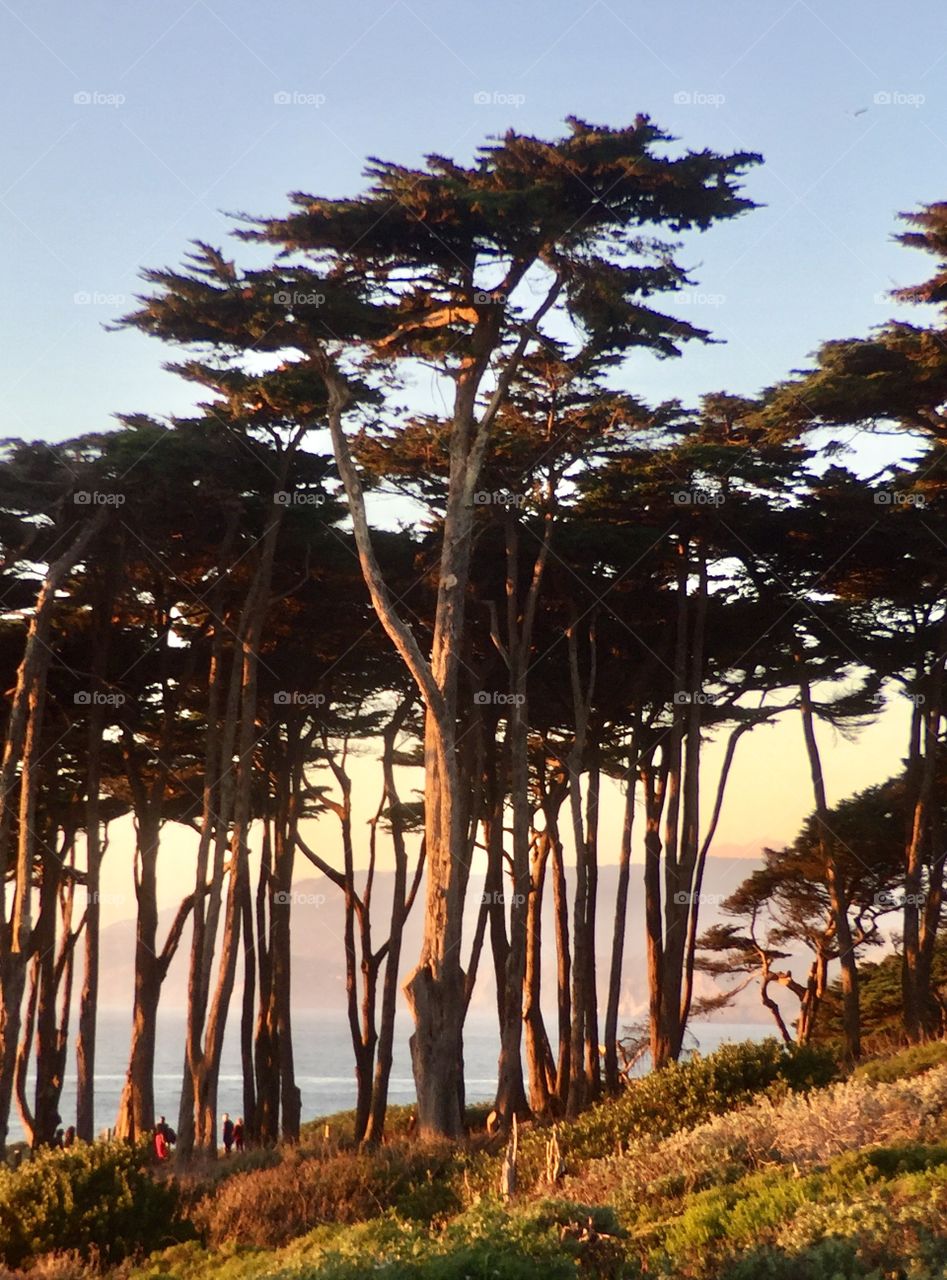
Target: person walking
column 227, row 1133
column 161, row 1145
column 167, row 1132
column 238, row 1135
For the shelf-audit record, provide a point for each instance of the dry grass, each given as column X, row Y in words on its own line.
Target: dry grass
column 269, row 1207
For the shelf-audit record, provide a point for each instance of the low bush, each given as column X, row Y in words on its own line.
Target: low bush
column 798, row 1129
column 93, row 1199
column 268, row 1207
column 885, row 1206
column 687, row 1093
column 678, row 1098
column 909, row 1062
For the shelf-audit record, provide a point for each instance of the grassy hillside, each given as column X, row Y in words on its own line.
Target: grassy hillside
column 752, row 1163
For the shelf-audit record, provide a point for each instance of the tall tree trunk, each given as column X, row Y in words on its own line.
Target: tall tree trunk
column 681, row 852
column 95, row 850
column 48, row 1070
column 851, row 1017
column 553, row 799
column 19, row 751
column 612, row 1075
column 918, row 940
column 236, row 811
column 581, row 926
column 217, row 810
column 511, row 1092
column 690, row 954
column 655, row 791
column 136, row 1113
column 435, row 989
column 88, row 999
column 593, row 1065
column 281, row 944
column 55, row 970
column 540, row 1064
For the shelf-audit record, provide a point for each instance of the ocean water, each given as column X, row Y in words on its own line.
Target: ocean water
column 323, row 1055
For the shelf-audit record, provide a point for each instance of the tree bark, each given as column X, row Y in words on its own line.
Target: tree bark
column 851, row 1017
column 19, row 750
column 612, row 1074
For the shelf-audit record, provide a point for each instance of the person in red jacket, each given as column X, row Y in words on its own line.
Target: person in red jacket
column 238, row 1135
column 161, row 1145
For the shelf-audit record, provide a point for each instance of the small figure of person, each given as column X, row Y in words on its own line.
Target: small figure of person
column 161, row 1145
column 164, row 1128
column 69, row 1137
column 227, row 1133
column 238, row 1135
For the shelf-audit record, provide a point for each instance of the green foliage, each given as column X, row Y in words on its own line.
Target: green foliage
column 882, row 1002
column 681, row 1096
column 91, row 1198
column 558, row 1240
column 759, row 1212
column 873, row 1205
column 687, row 1093
column 910, row 1062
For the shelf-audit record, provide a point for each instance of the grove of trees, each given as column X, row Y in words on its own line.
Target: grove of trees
column 206, row 618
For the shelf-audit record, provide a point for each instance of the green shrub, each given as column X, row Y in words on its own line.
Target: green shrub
column 879, row 1202
column 687, row 1093
column 902, row 1066
column 556, row 1240
column 95, row 1198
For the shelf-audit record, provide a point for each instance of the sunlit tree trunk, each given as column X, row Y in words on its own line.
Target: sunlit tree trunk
column 19, row 751
column 612, row 1076
column 851, row 1017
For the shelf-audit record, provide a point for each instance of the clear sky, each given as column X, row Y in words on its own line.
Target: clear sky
column 130, row 127
column 178, row 117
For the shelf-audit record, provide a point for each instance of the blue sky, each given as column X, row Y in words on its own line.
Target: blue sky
column 131, row 126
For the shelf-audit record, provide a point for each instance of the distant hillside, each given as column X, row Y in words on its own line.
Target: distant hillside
column 318, row 962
